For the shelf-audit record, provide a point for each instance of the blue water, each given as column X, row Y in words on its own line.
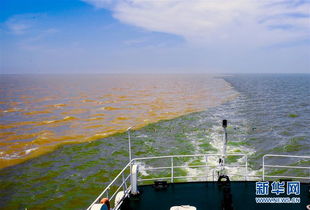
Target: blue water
column 277, row 108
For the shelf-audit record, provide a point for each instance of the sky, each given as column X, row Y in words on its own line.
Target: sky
column 154, row 36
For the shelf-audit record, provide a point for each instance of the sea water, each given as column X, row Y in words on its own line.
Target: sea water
column 40, row 112
column 266, row 114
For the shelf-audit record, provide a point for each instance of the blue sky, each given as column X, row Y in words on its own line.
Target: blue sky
column 147, row 36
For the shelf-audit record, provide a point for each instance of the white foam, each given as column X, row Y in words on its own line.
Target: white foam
column 212, row 161
column 30, row 150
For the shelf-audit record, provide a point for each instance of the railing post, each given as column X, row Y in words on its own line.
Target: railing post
column 129, row 143
column 172, row 176
column 124, row 183
column 264, row 168
column 207, row 168
column 246, row 168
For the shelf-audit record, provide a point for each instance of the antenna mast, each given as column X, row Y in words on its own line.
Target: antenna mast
column 225, row 137
column 222, row 159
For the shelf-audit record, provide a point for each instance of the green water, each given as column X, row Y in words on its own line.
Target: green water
column 73, row 175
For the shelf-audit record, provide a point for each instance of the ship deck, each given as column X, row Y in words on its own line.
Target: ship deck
column 208, row 195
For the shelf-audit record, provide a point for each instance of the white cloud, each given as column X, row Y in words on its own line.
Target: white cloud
column 21, row 24
column 133, row 42
column 100, row 3
column 18, row 28
column 30, row 26
column 229, row 22
column 35, row 42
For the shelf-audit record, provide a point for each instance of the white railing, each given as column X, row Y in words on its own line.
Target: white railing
column 285, row 167
column 124, row 177
column 121, row 181
column 211, row 168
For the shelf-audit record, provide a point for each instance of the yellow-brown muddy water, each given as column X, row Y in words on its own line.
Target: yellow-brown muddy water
column 40, row 112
